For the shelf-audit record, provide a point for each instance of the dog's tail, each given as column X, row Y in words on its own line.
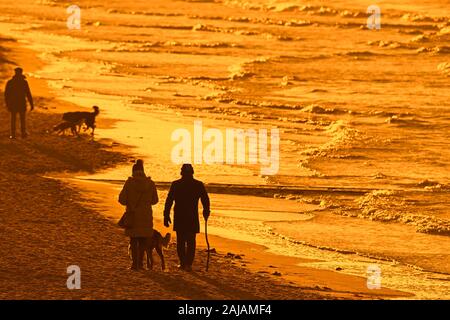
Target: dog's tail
column 58, row 127
column 96, row 110
column 166, row 240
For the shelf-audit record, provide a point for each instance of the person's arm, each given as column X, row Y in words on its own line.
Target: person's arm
column 168, row 205
column 29, row 96
column 205, row 201
column 155, row 198
column 123, row 196
column 7, row 94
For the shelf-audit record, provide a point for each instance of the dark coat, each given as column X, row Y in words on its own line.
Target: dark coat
column 16, row 93
column 186, row 192
column 139, row 194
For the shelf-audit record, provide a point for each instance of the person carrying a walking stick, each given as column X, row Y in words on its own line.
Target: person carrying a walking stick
column 186, row 192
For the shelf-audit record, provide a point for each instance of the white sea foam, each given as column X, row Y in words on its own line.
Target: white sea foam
column 390, row 206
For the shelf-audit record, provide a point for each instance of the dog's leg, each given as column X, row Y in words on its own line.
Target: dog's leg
column 161, row 256
column 147, row 258
column 150, row 257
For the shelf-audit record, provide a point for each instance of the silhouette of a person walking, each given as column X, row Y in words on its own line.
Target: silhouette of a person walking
column 17, row 92
column 139, row 194
column 186, row 193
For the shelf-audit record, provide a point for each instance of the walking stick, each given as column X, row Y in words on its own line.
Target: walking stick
column 207, row 244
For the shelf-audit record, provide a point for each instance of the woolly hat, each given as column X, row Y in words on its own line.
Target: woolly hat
column 138, row 166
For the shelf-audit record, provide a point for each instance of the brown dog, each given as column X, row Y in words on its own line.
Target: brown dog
column 155, row 242
column 79, row 117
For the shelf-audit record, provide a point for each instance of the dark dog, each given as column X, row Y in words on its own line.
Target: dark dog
column 63, row 126
column 78, row 118
column 155, row 242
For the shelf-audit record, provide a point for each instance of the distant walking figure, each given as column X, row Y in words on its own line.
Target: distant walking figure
column 186, row 192
column 17, row 92
column 139, row 194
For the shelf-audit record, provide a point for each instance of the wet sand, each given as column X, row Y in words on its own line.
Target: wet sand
column 45, row 228
column 258, row 259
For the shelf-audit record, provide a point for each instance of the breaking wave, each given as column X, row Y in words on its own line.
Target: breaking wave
column 242, row 70
column 314, row 108
column 389, row 206
column 407, row 122
column 342, row 137
column 444, row 68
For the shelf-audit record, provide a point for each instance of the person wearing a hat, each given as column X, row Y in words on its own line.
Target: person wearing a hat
column 186, row 192
column 17, row 92
column 139, row 194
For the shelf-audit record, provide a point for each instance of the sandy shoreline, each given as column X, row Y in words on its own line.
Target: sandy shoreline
column 256, row 258
column 56, row 226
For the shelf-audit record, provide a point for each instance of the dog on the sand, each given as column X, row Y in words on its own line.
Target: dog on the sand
column 77, row 119
column 63, row 126
column 157, row 242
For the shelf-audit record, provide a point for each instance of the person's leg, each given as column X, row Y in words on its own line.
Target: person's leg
column 13, row 124
column 134, row 252
column 190, row 254
column 23, row 126
column 142, row 242
column 181, row 248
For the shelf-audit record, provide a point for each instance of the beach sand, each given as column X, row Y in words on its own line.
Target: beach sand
column 48, row 224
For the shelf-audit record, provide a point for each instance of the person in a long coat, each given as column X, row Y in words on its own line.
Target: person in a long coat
column 17, row 92
column 139, row 194
column 186, row 192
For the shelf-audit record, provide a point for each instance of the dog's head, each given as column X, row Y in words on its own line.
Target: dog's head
column 166, row 240
column 96, row 109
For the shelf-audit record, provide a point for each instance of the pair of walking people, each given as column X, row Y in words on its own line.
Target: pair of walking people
column 139, row 193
